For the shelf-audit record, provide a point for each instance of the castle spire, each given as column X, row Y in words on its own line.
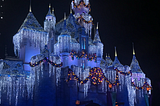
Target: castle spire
column 64, row 31
column 97, row 37
column 49, row 11
column 115, row 52
column 133, row 49
column 64, row 16
column 53, row 10
column 97, row 26
column 70, row 10
column 49, row 6
column 6, row 51
column 30, row 9
column 135, row 64
column 116, row 61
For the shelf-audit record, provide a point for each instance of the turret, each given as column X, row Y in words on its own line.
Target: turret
column 135, row 68
column 33, row 38
column 49, row 26
column 98, row 43
column 116, row 62
column 108, row 61
column 62, row 47
column 64, row 39
column 50, row 20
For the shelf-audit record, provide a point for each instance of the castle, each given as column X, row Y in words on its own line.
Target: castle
column 61, row 65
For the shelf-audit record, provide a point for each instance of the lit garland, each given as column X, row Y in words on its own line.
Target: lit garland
column 72, row 75
column 96, row 76
column 84, row 20
column 116, row 82
column 82, row 3
column 44, row 60
column 145, row 85
column 124, row 73
column 83, row 55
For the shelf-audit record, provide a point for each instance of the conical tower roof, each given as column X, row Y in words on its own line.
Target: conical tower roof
column 50, row 12
column 116, row 62
column 53, row 12
column 31, row 23
column 65, row 30
column 134, row 64
column 97, row 37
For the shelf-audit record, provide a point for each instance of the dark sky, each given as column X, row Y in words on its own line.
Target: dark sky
column 121, row 22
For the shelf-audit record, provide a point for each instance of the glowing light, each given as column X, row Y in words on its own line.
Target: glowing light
column 1, row 17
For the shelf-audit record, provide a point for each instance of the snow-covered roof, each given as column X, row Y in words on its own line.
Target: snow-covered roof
column 31, row 23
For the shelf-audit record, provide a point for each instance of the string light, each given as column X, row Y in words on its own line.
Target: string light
column 83, row 55
column 45, row 60
column 145, row 85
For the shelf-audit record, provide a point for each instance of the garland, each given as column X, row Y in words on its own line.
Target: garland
column 124, row 73
column 83, row 55
column 84, row 20
column 96, row 76
column 145, row 85
column 44, row 60
column 81, row 3
column 116, row 82
column 72, row 75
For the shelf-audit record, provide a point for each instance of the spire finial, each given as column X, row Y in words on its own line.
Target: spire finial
column 30, row 9
column 133, row 49
column 64, row 16
column 53, row 9
column 115, row 52
column 6, row 51
column 70, row 10
column 97, row 26
column 108, row 55
column 49, row 6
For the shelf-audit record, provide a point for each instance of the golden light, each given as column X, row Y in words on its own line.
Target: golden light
column 148, row 88
column 110, row 85
column 77, row 102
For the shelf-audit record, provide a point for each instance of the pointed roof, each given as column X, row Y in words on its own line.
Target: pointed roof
column 53, row 12
column 49, row 11
column 134, row 64
column 31, row 23
column 116, row 62
column 64, row 31
column 97, row 37
column 109, row 61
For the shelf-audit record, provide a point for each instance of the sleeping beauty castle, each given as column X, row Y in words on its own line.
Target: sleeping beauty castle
column 61, row 65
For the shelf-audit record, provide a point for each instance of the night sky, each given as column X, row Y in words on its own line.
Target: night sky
column 121, row 23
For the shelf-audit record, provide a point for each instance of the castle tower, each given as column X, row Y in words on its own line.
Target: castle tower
column 49, row 26
column 99, row 46
column 50, row 20
column 138, row 79
column 63, row 44
column 81, row 9
column 30, row 38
